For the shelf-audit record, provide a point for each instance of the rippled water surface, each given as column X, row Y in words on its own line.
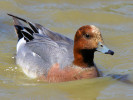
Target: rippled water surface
column 115, row 20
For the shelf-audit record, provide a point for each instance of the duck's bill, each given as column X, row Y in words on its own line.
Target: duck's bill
column 102, row 48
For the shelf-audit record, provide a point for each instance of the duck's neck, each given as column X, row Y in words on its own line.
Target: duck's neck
column 84, row 58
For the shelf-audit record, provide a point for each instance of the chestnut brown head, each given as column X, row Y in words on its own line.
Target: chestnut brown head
column 89, row 37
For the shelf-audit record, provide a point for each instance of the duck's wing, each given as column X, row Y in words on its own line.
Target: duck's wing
column 51, row 47
column 51, row 51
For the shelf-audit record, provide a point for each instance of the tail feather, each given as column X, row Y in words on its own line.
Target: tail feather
column 18, row 18
column 29, row 23
column 18, row 31
column 33, row 27
column 29, row 30
column 17, row 22
column 27, row 36
column 23, row 31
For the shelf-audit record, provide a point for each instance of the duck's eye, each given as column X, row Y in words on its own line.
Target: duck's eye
column 87, row 36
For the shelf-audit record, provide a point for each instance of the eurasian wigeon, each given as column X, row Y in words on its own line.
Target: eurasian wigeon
column 52, row 57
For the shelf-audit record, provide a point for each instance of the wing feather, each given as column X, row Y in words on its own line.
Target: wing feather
column 51, row 51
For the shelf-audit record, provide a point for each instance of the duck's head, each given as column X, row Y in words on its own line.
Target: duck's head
column 88, row 39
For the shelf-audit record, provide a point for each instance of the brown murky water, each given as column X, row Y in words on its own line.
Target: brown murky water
column 113, row 17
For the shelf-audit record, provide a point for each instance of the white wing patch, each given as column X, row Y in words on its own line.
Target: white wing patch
column 21, row 42
column 40, row 31
column 34, row 54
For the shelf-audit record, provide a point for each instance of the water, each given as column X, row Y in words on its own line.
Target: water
column 115, row 20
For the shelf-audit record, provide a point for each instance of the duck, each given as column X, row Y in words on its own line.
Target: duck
column 52, row 57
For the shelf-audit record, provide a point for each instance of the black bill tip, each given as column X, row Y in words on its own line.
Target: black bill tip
column 110, row 52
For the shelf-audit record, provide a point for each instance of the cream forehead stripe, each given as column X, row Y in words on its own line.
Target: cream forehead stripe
column 94, row 29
